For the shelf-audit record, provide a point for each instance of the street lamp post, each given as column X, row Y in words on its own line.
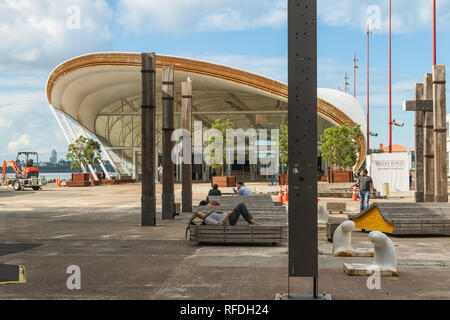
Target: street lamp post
column 390, row 77
column 354, row 75
column 369, row 33
column 434, row 33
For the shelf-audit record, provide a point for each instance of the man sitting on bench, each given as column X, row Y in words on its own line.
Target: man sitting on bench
column 229, row 218
column 242, row 190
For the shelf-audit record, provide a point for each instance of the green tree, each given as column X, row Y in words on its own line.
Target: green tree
column 222, row 126
column 83, row 151
column 284, row 146
column 340, row 145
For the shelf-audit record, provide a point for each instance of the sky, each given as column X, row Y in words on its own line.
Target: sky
column 38, row 35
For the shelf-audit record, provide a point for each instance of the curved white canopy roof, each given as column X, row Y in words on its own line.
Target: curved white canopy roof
column 87, row 86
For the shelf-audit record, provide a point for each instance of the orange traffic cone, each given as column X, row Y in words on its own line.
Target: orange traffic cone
column 280, row 196
column 355, row 195
column 286, row 194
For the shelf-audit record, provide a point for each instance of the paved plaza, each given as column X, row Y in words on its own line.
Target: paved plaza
column 98, row 229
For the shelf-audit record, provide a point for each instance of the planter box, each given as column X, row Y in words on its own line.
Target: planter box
column 224, row 182
column 78, row 183
column 283, row 179
column 80, row 177
column 338, row 176
column 99, row 176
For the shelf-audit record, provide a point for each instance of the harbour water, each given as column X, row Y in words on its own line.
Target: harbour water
column 49, row 176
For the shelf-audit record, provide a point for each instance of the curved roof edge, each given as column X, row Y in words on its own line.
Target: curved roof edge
column 334, row 105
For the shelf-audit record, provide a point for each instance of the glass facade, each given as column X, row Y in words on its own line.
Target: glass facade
column 118, row 126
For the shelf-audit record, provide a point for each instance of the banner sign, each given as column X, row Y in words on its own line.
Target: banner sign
column 392, row 168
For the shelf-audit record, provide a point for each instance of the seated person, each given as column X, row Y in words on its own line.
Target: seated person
column 229, row 218
column 215, row 191
column 242, row 190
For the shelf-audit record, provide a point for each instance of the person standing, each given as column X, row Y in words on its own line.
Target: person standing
column 365, row 184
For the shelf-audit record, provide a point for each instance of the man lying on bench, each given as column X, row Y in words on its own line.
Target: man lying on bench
column 229, row 218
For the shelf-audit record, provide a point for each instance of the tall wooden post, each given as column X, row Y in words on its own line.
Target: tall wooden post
column 419, row 119
column 148, row 139
column 429, row 182
column 168, row 195
column 186, row 94
column 440, row 137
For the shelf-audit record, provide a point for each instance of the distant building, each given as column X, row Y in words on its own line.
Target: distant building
column 397, row 148
column 54, row 157
column 448, row 144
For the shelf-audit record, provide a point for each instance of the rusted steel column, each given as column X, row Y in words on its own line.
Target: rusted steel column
column 440, row 137
column 148, row 139
column 168, row 195
column 429, row 183
column 186, row 113
column 419, row 119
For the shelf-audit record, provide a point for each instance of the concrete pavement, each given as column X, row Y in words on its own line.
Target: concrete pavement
column 97, row 229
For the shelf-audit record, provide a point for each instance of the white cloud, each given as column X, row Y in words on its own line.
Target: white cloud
column 22, row 143
column 201, row 15
column 407, row 15
column 271, row 67
column 35, row 34
column 5, row 123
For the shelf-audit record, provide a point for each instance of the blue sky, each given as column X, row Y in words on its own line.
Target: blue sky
column 248, row 34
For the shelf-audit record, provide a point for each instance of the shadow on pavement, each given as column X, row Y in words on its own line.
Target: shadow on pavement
column 6, row 248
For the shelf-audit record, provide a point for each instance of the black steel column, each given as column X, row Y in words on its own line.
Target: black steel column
column 303, row 243
column 148, row 139
column 168, row 196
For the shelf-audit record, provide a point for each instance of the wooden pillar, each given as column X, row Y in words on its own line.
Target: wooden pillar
column 186, row 193
column 429, row 183
column 419, row 119
column 168, row 194
column 148, row 139
column 440, row 137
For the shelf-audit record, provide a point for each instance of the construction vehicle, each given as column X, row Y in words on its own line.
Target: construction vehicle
column 27, row 173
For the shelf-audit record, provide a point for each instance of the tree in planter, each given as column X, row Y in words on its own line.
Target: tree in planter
column 222, row 126
column 340, row 145
column 284, row 147
column 83, row 151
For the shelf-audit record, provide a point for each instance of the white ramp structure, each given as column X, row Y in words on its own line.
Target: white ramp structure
column 342, row 242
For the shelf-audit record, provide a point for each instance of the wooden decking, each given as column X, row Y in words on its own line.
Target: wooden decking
column 409, row 219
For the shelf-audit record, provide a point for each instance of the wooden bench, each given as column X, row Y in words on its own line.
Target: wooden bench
column 238, row 234
column 273, row 220
column 253, row 210
column 336, row 207
column 258, row 201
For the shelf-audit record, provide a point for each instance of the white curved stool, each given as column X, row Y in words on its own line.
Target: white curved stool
column 342, row 242
column 385, row 259
column 322, row 216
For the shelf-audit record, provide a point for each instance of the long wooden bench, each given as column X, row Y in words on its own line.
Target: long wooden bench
column 238, row 234
column 273, row 220
column 253, row 210
column 253, row 201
